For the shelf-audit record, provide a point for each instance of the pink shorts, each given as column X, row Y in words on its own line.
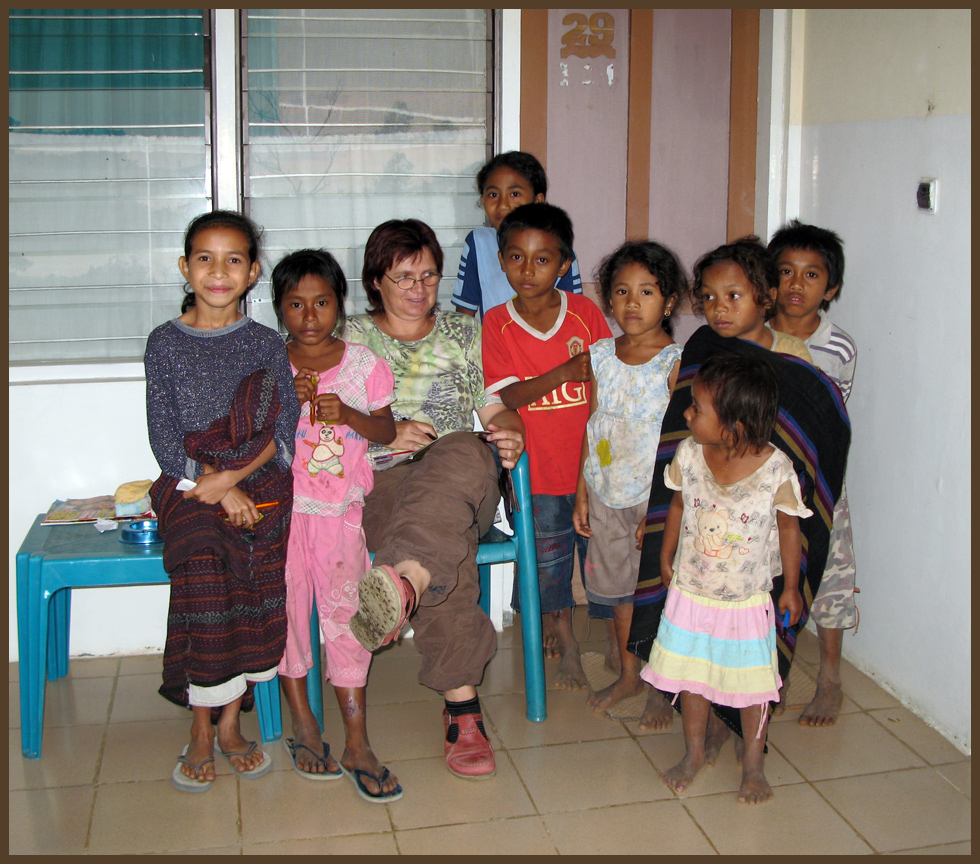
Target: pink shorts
column 325, row 559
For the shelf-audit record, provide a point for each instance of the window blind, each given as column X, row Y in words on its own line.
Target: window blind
column 108, row 162
column 357, row 116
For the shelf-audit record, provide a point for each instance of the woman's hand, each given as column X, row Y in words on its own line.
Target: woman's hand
column 240, row 508
column 790, row 599
column 412, row 435
column 509, row 441
column 506, row 431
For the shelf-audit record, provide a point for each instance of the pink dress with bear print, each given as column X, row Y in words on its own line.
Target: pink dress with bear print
column 729, row 543
column 327, row 553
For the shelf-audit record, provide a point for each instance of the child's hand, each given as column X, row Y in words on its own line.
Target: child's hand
column 303, row 382
column 329, row 409
column 240, row 508
column 580, row 516
column 211, row 486
column 577, row 368
column 790, row 599
column 666, row 574
column 640, row 531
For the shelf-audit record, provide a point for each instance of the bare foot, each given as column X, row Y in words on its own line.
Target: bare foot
column 200, row 748
column 232, row 741
column 780, row 706
column 614, row 662
column 680, row 776
column 825, row 705
column 365, row 760
column 571, row 675
column 549, row 632
column 621, row 688
column 715, row 735
column 658, row 713
column 308, row 734
column 755, row 788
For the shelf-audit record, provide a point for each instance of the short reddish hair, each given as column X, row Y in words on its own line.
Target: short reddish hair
column 393, row 241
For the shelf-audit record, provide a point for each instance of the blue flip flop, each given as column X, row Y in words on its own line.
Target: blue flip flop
column 362, row 790
column 291, row 748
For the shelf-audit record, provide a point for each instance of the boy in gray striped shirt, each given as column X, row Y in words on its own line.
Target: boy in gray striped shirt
column 810, row 264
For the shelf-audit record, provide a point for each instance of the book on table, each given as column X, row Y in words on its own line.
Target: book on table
column 87, row 510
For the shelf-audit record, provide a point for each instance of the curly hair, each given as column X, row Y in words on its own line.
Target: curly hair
column 656, row 259
column 749, row 254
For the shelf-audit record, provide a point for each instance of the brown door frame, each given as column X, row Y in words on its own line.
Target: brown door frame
column 743, row 112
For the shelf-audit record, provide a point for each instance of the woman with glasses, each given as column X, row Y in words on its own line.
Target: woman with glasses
column 426, row 513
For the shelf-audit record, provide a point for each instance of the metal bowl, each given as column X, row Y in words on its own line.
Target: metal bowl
column 142, row 532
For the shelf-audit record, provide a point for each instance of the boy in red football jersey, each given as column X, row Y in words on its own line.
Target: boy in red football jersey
column 536, row 359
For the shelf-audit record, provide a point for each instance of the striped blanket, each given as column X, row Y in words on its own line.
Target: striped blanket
column 227, row 585
column 812, row 428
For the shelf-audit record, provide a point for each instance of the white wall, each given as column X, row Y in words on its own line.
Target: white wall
column 868, row 136
column 72, row 438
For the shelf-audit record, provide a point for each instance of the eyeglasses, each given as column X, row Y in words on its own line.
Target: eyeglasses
column 406, row 283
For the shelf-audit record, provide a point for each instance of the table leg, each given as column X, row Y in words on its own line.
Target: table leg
column 32, row 639
column 59, row 628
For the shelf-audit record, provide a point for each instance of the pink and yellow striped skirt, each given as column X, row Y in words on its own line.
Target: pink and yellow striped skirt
column 722, row 650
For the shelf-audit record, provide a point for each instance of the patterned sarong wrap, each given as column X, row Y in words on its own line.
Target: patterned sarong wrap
column 227, row 585
column 812, row 428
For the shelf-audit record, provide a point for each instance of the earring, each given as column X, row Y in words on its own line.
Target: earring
column 667, row 314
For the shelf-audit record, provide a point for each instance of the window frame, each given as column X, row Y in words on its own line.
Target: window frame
column 225, row 144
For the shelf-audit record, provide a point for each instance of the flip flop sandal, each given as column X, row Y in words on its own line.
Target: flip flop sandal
column 291, row 748
column 366, row 794
column 384, row 605
column 264, row 767
column 190, row 784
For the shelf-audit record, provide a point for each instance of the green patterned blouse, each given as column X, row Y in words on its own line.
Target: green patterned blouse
column 438, row 379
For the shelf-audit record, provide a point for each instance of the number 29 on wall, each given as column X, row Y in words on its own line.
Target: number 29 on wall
column 590, row 36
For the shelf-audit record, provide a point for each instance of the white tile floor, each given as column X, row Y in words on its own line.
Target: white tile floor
column 878, row 781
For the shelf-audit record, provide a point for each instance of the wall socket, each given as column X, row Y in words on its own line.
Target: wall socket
column 927, row 195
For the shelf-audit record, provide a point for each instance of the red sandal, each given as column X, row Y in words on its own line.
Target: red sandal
column 470, row 756
column 385, row 602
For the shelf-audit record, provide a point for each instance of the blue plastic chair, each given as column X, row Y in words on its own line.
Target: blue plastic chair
column 496, row 548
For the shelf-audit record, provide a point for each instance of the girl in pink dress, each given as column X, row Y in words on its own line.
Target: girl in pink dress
column 345, row 391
